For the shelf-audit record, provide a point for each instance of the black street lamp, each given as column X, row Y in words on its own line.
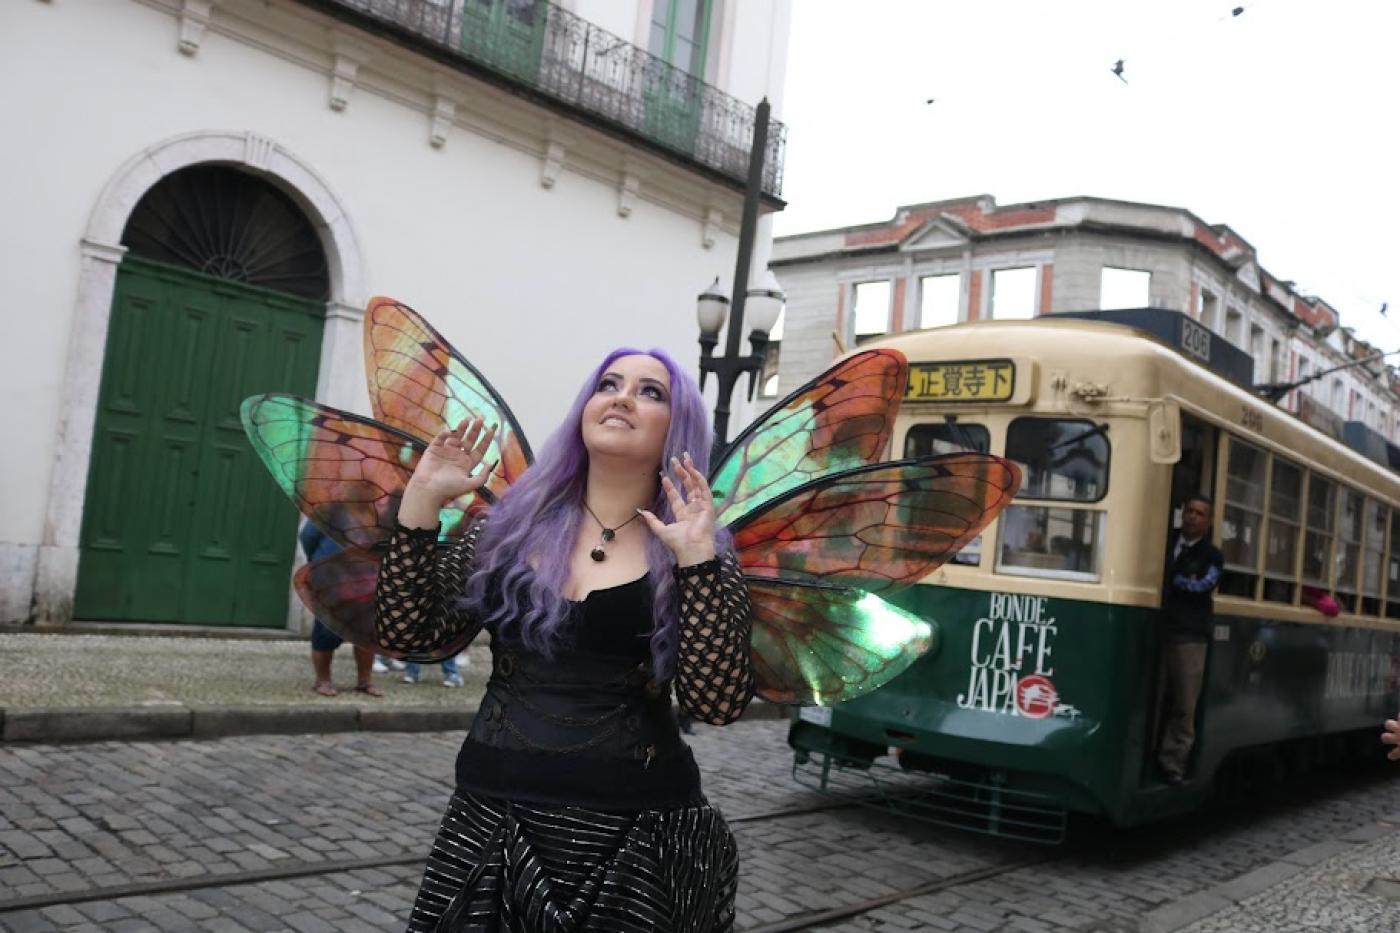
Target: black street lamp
column 765, row 300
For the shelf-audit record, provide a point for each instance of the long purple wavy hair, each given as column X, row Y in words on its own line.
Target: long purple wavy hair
column 540, row 516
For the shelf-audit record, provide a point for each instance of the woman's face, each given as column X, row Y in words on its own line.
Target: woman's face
column 630, row 411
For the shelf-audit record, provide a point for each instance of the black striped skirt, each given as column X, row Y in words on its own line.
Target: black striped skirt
column 504, row 867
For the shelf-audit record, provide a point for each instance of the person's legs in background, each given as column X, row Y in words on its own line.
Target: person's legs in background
column 451, row 674
column 323, row 645
column 364, row 665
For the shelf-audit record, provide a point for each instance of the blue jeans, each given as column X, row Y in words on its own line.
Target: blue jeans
column 415, row 670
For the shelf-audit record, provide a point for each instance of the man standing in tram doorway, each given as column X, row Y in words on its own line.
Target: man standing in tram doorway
column 1193, row 568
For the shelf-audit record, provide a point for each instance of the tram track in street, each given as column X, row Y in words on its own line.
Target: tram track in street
column 817, row 918
column 303, row 869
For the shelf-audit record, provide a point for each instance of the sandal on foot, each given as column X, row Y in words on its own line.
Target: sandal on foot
column 324, row 688
column 371, row 689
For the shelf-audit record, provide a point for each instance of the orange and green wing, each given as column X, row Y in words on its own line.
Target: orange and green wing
column 420, row 384
column 881, row 527
column 816, row 645
column 840, row 420
column 820, row 559
column 344, row 472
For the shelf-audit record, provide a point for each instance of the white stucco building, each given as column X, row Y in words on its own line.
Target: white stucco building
column 202, row 195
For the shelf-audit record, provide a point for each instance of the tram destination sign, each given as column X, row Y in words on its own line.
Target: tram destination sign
column 962, row 381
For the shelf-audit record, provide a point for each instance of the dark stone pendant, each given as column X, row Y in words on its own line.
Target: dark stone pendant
column 597, row 553
column 609, row 534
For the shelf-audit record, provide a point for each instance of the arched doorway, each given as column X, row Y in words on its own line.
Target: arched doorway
column 221, row 294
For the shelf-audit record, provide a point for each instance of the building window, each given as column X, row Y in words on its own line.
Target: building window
column 940, row 300
column 680, row 31
column 1210, row 310
column 1234, row 326
column 1013, row 294
column 872, row 310
column 1276, row 373
column 1124, row 288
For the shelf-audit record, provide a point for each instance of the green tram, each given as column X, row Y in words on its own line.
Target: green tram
column 1040, row 696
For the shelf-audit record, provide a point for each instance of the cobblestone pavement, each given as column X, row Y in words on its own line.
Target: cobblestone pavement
column 350, row 814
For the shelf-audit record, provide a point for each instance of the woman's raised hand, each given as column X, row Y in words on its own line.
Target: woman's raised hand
column 691, row 536
column 447, row 470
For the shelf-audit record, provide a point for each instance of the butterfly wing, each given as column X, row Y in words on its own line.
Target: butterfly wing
column 339, row 590
column 840, row 420
column 879, row 528
column 344, row 472
column 819, row 645
column 420, row 384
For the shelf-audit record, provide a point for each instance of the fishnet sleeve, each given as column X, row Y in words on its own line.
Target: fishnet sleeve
column 419, row 582
column 714, row 670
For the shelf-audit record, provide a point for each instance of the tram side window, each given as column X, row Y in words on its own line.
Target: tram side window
column 1372, row 555
column 1285, row 524
column 951, row 437
column 1392, row 573
column 1242, row 518
column 1348, row 549
column 1317, row 542
column 1052, row 542
column 1060, row 459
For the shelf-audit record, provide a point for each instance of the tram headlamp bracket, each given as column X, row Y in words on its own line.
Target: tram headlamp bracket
column 1164, row 431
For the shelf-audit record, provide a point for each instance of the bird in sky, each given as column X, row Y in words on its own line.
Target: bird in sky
column 1118, row 70
column 931, row 100
column 1384, row 306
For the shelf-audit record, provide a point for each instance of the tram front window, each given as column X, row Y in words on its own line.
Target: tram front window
column 1064, row 459
column 950, row 437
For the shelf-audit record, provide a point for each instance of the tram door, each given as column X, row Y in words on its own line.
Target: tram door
column 1192, row 475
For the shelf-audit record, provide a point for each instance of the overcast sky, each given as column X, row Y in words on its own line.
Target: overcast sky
column 1280, row 122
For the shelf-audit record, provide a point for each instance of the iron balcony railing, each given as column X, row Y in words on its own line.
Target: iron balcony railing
column 540, row 46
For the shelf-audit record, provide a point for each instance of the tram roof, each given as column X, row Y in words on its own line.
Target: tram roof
column 1132, row 363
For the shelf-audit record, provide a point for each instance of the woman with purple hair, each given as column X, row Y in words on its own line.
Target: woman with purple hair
column 604, row 584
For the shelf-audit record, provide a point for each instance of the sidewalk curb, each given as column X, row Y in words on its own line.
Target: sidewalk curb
column 1188, row 910
column 52, row 725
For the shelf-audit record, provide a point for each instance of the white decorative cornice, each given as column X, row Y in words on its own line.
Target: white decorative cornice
column 194, row 18
column 444, row 112
column 339, row 310
column 629, row 185
column 257, row 151
column 709, row 231
column 102, row 252
column 346, row 58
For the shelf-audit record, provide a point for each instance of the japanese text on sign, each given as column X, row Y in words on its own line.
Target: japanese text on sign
column 970, row 381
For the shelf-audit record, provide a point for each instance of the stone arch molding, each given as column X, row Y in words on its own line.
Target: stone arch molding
column 101, row 252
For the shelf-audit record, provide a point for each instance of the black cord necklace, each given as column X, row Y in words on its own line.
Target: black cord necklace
column 598, row 553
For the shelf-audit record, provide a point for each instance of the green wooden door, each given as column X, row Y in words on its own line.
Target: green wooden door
column 507, row 35
column 181, row 522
